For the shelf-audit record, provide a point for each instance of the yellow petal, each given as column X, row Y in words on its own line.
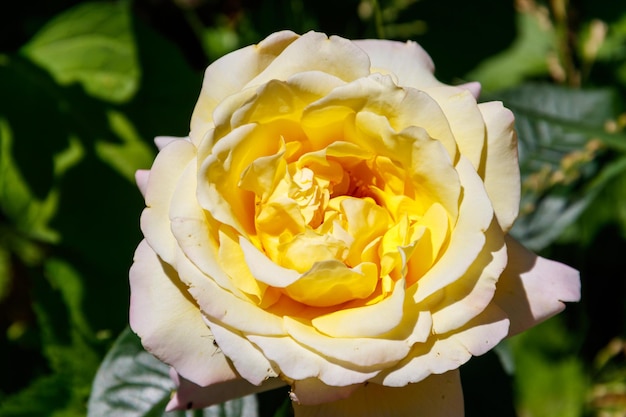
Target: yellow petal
column 330, row 283
column 230, row 74
column 368, row 321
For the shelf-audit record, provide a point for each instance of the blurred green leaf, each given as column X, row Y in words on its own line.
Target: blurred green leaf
column 608, row 207
column 41, row 398
column 526, row 57
column 561, row 131
column 129, row 156
column 28, row 213
column 67, row 342
column 550, row 379
column 92, row 44
column 133, row 383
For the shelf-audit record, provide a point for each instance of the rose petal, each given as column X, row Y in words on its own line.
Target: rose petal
column 367, row 321
column 296, row 362
column 314, row 51
column 465, row 120
column 264, row 269
column 425, row 160
column 141, row 178
column 220, row 172
column 533, row 288
column 331, row 282
column 245, row 357
column 437, row 396
column 162, row 141
column 312, row 391
column 366, row 352
column 501, row 171
column 189, row 395
column 162, row 182
column 180, row 339
column 230, row 74
column 469, row 296
column 473, row 87
column 443, row 353
column 221, row 305
column 468, row 235
column 408, row 61
column 378, row 94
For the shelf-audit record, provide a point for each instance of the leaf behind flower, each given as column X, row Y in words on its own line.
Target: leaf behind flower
column 133, row 383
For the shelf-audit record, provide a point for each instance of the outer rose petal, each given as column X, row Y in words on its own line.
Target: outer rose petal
column 501, row 170
column 182, row 340
column 162, row 182
column 229, row 74
column 312, row 391
column 436, row 396
column 407, row 61
column 189, row 395
column 141, row 178
column 447, row 352
column 532, row 289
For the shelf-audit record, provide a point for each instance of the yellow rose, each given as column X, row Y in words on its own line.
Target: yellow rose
column 337, row 221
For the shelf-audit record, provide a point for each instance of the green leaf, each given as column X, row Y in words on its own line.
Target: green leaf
column 133, row 383
column 550, row 380
column 29, row 214
column 131, row 155
column 92, row 43
column 561, row 134
column 525, row 58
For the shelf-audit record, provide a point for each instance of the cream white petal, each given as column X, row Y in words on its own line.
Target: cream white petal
column 501, row 170
column 315, row 51
column 229, row 74
column 465, row 119
column 374, row 353
column 169, row 323
column 367, row 321
column 533, row 288
column 468, row 236
column 162, row 141
column 223, row 306
column 473, row 87
column 141, row 178
column 162, row 182
column 408, row 61
column 471, row 294
column 447, row 352
column 192, row 396
column 250, row 362
column 296, row 362
column 194, row 231
column 264, row 269
column 436, row 396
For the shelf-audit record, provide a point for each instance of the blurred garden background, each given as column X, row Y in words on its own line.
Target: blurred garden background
column 86, row 86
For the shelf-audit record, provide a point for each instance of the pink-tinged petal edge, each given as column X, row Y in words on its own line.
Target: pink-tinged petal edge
column 533, row 289
column 436, row 396
column 162, row 141
column 473, row 87
column 192, row 396
column 141, row 178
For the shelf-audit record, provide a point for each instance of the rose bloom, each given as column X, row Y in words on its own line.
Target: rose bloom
column 337, row 221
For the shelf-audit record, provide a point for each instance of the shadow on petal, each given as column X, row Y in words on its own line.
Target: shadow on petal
column 436, row 396
column 533, row 289
column 192, row 396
